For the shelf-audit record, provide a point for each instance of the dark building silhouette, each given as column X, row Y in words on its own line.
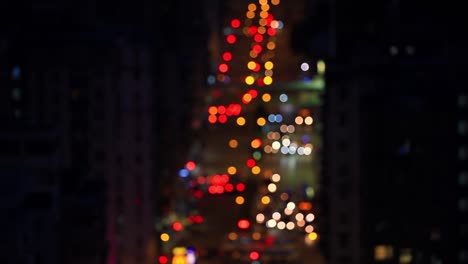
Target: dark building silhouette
column 96, row 105
column 395, row 163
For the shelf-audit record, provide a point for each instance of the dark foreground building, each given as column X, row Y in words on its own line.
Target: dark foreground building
column 95, row 112
column 396, row 134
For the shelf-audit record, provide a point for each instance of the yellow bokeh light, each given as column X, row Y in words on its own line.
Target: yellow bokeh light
column 247, row 97
column 233, row 143
column 265, row 200
column 256, row 170
column 250, row 14
column 240, row 200
column 312, row 236
column 265, row 7
column 256, row 236
column 269, row 65
column 262, row 22
column 251, row 65
column 255, row 143
column 266, row 97
column 165, row 237
column 240, row 121
column 271, row 45
column 321, row 67
column 232, row 236
column 262, row 2
column 261, row 30
column 253, row 54
column 252, row 7
column 275, row 2
column 264, row 14
column 232, row 170
column 261, row 121
column 249, row 80
column 267, row 80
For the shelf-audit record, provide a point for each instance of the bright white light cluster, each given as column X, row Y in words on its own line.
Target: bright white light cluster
column 286, row 146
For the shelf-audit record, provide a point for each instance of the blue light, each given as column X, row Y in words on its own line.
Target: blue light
column 183, row 173
column 211, row 79
column 16, row 72
column 272, row 118
column 279, row 118
column 283, row 98
column 305, row 139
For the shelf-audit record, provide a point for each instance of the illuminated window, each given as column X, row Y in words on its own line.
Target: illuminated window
column 405, row 256
column 462, row 127
column 383, row 252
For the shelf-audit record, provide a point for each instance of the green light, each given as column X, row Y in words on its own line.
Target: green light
column 257, row 155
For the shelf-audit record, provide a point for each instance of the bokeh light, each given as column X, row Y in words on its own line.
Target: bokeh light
column 240, row 121
column 233, row 143
column 240, row 200
column 165, row 237
column 261, row 121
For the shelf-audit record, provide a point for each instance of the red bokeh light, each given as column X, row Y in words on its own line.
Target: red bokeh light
column 252, row 30
column 222, row 119
column 190, row 165
column 257, row 67
column 257, row 48
column 254, row 255
column 253, row 93
column 231, row 39
column 240, row 187
column 223, row 67
column 212, row 189
column 227, row 56
column 251, row 163
column 198, row 194
column 234, row 109
column 271, row 31
column 269, row 19
column 243, row 224
column 177, row 226
column 258, row 38
column 163, row 259
column 235, row 23
column 260, row 82
column 221, row 109
column 229, row 187
column 212, row 119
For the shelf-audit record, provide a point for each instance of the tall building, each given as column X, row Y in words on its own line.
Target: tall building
column 395, row 132
column 95, row 113
column 44, row 131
